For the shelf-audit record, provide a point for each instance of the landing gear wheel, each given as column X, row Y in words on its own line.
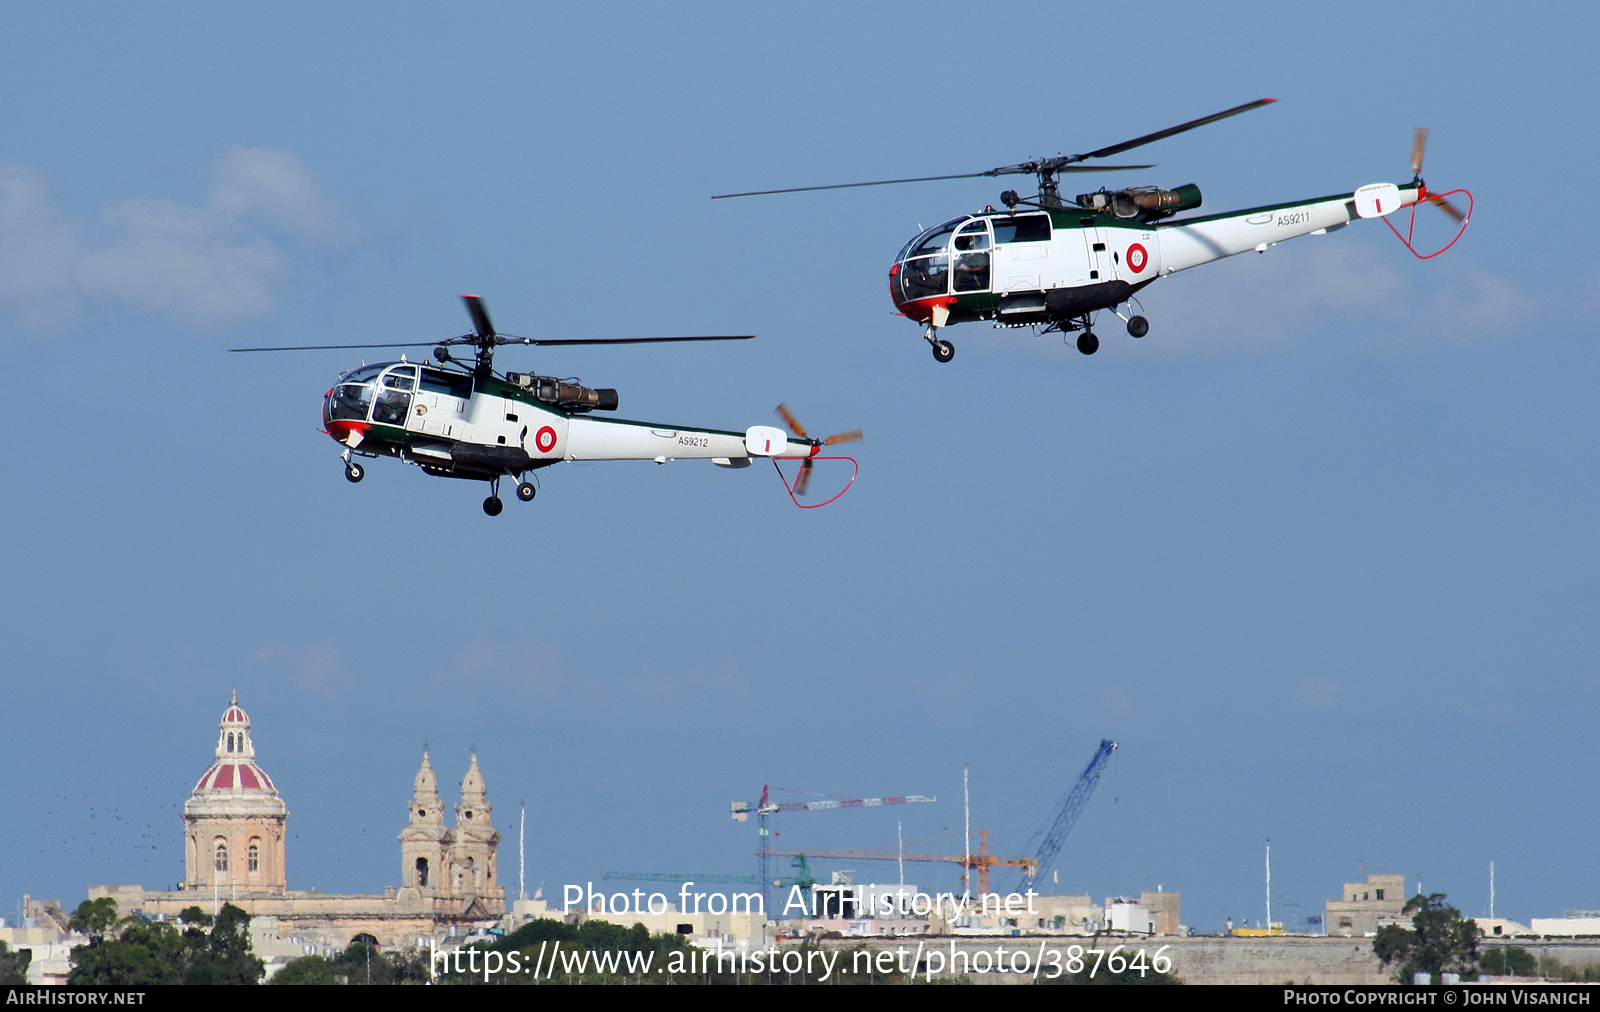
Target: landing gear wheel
column 493, row 506
column 1138, row 326
column 526, row 492
column 1088, row 343
column 943, row 351
column 354, row 472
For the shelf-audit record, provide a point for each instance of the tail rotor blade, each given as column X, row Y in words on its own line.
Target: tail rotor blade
column 843, row 437
column 1447, row 208
column 1417, row 147
column 803, row 479
column 789, row 419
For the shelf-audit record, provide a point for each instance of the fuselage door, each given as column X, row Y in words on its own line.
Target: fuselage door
column 392, row 405
column 1099, row 266
column 1021, row 252
column 442, row 403
column 971, row 253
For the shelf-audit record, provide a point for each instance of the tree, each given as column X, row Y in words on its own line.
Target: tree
column 145, row 954
column 360, row 963
column 1509, row 960
column 156, row 953
column 305, row 970
column 223, row 956
column 14, row 965
column 94, row 917
column 1440, row 940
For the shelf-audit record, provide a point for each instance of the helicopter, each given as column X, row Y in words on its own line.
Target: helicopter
column 1051, row 265
column 456, row 421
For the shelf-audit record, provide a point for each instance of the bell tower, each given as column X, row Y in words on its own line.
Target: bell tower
column 476, row 840
column 425, row 842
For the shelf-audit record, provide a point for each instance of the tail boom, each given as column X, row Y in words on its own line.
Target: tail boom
column 1191, row 242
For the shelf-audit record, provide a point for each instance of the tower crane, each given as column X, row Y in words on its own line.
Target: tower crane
column 1046, row 841
column 766, row 808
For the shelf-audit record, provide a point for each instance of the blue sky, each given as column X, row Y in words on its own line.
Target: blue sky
column 1319, row 552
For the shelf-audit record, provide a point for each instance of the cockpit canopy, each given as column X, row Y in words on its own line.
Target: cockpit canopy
column 953, row 257
column 382, row 393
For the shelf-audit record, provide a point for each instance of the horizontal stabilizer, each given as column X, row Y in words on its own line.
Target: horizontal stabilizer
column 1376, row 200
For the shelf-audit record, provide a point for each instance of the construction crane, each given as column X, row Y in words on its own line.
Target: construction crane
column 981, row 861
column 1046, row 841
column 766, row 807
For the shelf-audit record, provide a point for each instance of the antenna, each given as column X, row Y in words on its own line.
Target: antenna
column 1269, row 885
column 966, row 833
column 900, row 841
column 522, row 836
column 1491, row 890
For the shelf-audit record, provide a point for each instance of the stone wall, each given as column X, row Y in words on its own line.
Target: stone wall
column 1299, row 959
column 1210, row 960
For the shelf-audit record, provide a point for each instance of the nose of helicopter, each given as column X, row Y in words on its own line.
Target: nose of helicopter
column 348, row 431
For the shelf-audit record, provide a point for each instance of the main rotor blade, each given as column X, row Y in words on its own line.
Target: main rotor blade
column 480, row 316
column 1031, row 168
column 928, row 179
column 1180, row 128
column 618, row 340
column 846, row 186
column 344, row 347
column 500, row 340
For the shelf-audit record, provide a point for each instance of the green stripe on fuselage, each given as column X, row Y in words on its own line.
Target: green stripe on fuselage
column 1246, row 212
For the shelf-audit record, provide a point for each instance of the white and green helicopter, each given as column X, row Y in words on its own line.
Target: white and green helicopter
column 474, row 423
column 1051, row 265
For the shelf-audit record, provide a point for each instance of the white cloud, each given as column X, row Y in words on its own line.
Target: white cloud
column 206, row 267
column 1358, row 294
column 39, row 248
column 319, row 667
column 1364, row 293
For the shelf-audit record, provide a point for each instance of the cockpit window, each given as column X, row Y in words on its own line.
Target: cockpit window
column 972, row 257
column 365, row 374
column 350, row 400
column 453, row 384
column 1022, row 228
column 933, row 240
column 974, row 235
column 402, row 379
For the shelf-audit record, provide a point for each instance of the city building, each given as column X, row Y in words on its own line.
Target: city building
column 1576, row 923
column 235, row 827
column 1500, row 927
column 1367, row 905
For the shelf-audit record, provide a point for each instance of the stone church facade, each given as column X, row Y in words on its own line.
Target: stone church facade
column 235, row 827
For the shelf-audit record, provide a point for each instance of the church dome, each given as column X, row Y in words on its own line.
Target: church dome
column 235, row 783
column 235, row 776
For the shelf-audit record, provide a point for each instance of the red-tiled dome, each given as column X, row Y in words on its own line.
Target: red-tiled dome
column 233, row 775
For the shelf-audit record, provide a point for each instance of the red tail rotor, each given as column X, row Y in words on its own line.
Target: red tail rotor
column 803, row 480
